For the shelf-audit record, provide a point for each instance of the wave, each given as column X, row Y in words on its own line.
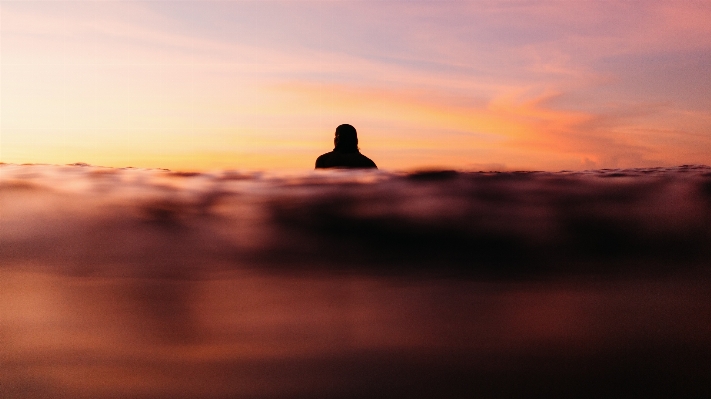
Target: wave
column 349, row 284
column 81, row 218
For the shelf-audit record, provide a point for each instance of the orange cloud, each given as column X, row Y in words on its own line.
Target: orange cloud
column 514, row 121
column 535, row 85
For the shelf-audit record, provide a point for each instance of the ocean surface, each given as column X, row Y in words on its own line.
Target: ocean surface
column 135, row 283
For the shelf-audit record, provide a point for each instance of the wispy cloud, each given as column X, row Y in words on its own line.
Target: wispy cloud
column 529, row 84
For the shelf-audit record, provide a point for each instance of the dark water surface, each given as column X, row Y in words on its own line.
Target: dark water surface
column 118, row 283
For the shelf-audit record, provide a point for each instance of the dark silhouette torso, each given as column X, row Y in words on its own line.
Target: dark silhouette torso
column 337, row 159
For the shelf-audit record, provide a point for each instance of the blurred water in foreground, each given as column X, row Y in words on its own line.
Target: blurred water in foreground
column 119, row 283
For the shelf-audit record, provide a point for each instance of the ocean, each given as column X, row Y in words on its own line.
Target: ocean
column 150, row 283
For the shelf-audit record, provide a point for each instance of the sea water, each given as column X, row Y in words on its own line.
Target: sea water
column 347, row 284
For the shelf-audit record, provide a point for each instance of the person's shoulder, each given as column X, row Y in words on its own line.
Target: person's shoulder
column 326, row 155
column 322, row 160
column 367, row 161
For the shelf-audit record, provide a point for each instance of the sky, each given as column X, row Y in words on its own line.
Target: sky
column 478, row 85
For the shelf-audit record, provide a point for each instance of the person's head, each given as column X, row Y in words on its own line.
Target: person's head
column 346, row 139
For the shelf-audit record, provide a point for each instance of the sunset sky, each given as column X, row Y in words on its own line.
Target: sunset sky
column 545, row 85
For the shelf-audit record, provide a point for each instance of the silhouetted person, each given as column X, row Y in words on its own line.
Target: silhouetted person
column 346, row 153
